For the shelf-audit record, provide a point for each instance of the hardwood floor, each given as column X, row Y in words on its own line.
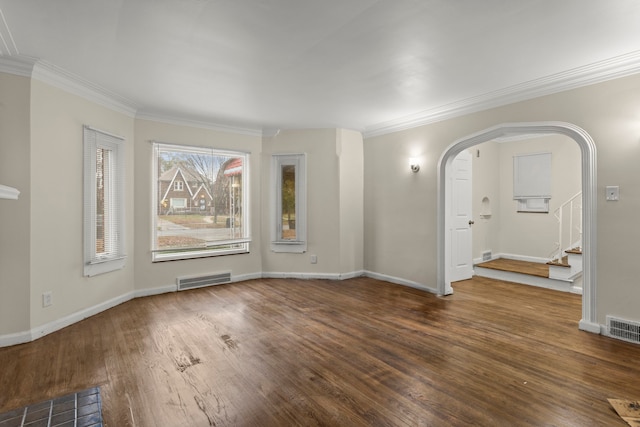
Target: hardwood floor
column 517, row 266
column 350, row 353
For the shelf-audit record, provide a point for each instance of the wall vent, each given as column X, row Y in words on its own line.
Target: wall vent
column 623, row 329
column 486, row 256
column 191, row 282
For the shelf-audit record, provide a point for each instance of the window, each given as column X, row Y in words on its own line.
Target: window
column 289, row 205
column 103, row 202
column 177, row 186
column 211, row 220
column 532, row 182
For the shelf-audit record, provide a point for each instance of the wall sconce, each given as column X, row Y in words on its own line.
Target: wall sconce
column 414, row 165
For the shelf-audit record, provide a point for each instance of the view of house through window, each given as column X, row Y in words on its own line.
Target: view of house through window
column 200, row 199
column 288, row 202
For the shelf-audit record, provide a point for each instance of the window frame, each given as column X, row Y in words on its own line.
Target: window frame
column 178, row 186
column 161, row 255
column 299, row 161
column 99, row 263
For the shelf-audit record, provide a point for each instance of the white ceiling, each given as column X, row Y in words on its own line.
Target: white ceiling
column 357, row 64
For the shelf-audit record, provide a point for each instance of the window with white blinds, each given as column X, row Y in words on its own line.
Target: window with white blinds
column 200, row 202
column 104, row 247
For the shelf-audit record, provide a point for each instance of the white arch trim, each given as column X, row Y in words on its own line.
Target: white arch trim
column 589, row 202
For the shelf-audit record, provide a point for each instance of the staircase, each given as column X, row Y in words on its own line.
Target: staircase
column 566, row 264
column 565, row 268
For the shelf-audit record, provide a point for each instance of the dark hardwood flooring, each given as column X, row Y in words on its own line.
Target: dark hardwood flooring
column 358, row 352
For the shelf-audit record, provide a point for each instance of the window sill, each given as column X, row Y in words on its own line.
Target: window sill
column 176, row 256
column 95, row 269
column 289, row 247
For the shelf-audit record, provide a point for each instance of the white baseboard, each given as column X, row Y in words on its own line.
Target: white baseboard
column 55, row 325
column 15, row 339
column 399, row 281
column 47, row 328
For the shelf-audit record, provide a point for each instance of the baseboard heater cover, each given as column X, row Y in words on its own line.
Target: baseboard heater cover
column 191, row 282
column 625, row 330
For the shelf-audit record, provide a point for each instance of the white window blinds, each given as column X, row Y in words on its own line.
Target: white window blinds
column 104, row 247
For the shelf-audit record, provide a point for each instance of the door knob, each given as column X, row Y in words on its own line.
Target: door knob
column 471, row 222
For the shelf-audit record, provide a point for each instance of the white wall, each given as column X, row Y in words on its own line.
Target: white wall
column 518, row 233
column 149, row 276
column 15, row 171
column 609, row 112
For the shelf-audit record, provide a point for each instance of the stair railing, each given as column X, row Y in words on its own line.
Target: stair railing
column 568, row 209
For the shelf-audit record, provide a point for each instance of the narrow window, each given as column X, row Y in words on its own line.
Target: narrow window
column 211, row 215
column 289, row 187
column 104, row 202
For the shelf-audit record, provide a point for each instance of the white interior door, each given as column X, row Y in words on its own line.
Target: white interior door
column 461, row 219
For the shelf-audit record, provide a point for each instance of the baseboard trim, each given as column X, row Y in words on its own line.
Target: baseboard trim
column 308, row 276
column 55, row 325
column 399, row 281
column 594, row 328
column 15, row 339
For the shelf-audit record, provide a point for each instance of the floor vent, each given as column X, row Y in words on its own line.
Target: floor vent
column 486, row 256
column 190, row 282
column 623, row 329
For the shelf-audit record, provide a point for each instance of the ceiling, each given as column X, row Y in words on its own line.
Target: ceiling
column 367, row 65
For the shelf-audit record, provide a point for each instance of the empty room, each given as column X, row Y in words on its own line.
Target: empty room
column 340, row 213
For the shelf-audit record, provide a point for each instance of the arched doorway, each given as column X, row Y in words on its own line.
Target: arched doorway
column 589, row 189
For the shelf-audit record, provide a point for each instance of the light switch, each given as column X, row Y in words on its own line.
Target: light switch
column 613, row 193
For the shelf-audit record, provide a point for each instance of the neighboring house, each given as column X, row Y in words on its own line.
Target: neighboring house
column 182, row 191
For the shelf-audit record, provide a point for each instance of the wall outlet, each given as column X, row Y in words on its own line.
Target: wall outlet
column 47, row 299
column 314, row 259
column 613, row 193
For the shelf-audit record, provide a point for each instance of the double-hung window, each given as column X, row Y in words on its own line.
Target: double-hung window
column 200, row 202
column 104, row 245
column 289, row 228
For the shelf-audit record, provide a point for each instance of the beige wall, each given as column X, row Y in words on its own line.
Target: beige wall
column 507, row 231
column 15, row 171
column 609, row 112
column 350, row 155
column 334, row 201
column 566, row 181
column 56, row 259
column 150, row 276
column 41, row 154
column 486, row 183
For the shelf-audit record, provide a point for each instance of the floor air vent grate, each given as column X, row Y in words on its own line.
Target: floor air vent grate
column 190, row 282
column 624, row 329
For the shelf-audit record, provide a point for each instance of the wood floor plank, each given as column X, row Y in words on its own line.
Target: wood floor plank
column 358, row 352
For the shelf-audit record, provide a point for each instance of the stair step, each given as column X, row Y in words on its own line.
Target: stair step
column 564, row 262
column 576, row 251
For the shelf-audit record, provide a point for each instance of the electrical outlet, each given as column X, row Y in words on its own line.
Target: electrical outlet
column 314, row 259
column 613, row 193
column 47, row 299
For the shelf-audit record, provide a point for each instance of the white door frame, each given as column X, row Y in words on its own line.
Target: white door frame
column 589, row 203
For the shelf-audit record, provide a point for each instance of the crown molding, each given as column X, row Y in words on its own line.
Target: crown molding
column 63, row 79
column 17, row 65
column 182, row 121
column 609, row 69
